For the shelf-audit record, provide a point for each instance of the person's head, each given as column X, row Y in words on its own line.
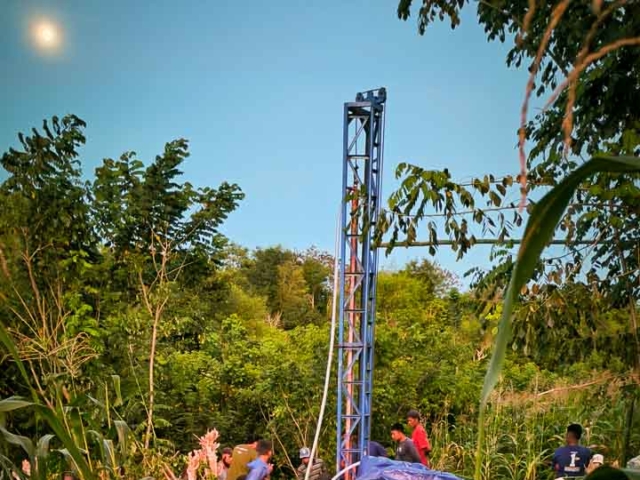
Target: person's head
column 305, row 455
column 227, row 455
column 574, row 433
column 253, row 440
column 413, row 418
column 264, row 449
column 397, row 432
column 68, row 476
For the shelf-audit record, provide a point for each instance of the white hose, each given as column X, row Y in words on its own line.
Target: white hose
column 332, row 335
column 345, row 470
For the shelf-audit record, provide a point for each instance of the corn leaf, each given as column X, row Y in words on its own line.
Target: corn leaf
column 25, row 443
column 6, row 340
column 71, row 450
column 42, row 453
column 123, row 432
column 116, row 386
column 110, row 455
column 13, row 403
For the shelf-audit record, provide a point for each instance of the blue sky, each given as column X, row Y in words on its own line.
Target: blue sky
column 257, row 87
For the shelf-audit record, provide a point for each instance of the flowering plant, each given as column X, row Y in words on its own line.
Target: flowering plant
column 205, row 458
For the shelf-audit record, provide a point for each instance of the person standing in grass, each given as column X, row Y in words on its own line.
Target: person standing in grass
column 572, row 459
column 405, row 451
column 419, row 437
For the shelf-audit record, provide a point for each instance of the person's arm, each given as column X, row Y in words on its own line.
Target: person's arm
column 412, row 453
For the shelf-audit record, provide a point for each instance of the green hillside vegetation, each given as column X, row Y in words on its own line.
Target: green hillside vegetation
column 139, row 326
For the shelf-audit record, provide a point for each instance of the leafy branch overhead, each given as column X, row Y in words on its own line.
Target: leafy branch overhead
column 593, row 47
column 131, row 202
column 425, row 191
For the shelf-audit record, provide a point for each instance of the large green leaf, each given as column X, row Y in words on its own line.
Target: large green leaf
column 539, row 231
column 71, row 450
column 19, row 440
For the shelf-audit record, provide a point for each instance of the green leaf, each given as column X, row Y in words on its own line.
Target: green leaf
column 19, row 440
column 99, row 439
column 11, row 347
column 542, row 223
column 13, row 403
column 71, row 450
column 75, row 418
column 116, row 386
column 42, row 450
column 110, row 455
column 123, row 431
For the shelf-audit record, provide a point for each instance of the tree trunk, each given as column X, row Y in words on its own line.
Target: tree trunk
column 152, row 358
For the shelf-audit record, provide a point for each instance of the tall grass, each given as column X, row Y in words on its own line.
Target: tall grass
column 523, row 430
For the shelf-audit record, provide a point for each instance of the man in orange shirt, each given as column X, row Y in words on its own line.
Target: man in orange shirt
column 419, row 436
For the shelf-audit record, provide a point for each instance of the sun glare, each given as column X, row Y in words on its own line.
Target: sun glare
column 46, row 35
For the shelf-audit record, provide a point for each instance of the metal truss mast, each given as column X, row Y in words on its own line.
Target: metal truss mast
column 361, row 183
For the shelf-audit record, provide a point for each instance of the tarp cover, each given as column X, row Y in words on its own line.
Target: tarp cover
column 378, row 468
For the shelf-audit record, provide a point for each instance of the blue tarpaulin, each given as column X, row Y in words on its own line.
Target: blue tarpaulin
column 378, row 468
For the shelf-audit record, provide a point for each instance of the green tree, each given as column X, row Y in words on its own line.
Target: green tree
column 47, row 247
column 155, row 226
column 594, row 45
column 292, row 302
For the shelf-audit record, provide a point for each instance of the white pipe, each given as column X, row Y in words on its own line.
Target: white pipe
column 344, row 470
column 332, row 335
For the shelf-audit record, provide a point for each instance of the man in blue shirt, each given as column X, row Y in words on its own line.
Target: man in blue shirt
column 377, row 450
column 260, row 468
column 374, row 450
column 572, row 459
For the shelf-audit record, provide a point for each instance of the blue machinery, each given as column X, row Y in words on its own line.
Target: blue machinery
column 361, row 188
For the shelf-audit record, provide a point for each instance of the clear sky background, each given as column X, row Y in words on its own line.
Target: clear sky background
column 258, row 87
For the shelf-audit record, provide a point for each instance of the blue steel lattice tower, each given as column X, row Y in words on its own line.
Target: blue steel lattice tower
column 361, row 182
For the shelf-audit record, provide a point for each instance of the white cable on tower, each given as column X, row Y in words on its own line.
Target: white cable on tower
column 332, row 335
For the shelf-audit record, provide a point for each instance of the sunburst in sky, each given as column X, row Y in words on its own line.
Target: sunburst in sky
column 46, row 35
